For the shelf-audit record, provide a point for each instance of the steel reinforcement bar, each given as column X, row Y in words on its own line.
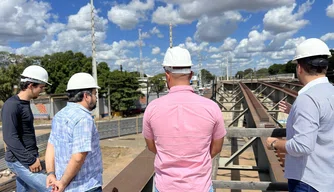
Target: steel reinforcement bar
column 261, row 118
column 285, row 90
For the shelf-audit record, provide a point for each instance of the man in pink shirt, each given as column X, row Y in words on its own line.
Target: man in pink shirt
column 183, row 129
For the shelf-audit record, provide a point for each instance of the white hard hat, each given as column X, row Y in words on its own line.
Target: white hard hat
column 35, row 74
column 81, row 81
column 311, row 47
column 177, row 57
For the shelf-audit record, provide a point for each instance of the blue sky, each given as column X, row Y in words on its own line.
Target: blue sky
column 245, row 34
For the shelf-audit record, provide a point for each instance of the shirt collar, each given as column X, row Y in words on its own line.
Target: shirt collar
column 71, row 104
column 313, row 83
column 181, row 88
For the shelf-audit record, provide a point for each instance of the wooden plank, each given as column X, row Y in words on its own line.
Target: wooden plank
column 265, row 186
column 135, row 176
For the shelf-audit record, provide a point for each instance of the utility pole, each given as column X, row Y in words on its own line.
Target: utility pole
column 170, row 35
column 140, row 56
column 109, row 108
column 200, row 69
column 227, row 68
column 97, row 110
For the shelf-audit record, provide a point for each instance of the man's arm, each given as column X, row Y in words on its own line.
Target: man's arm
column 50, row 164
column 73, row 167
column 216, row 147
column 148, row 132
column 10, row 114
column 218, row 133
column 151, row 145
column 305, row 126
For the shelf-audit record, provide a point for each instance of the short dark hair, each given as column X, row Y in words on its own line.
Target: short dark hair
column 306, row 64
column 24, row 85
column 77, row 95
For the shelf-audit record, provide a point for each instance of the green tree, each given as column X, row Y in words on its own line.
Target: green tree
column 248, row 72
column 157, row 83
column 239, row 74
column 61, row 66
column 275, row 69
column 123, row 90
column 10, row 76
column 206, row 76
column 263, row 72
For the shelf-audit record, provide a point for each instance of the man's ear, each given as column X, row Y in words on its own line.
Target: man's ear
column 30, row 86
column 191, row 74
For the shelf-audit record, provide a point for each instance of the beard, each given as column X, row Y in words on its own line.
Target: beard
column 92, row 106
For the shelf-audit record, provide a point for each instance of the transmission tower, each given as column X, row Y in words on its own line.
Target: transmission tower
column 97, row 110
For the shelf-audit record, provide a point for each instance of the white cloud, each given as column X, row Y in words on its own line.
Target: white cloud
column 145, row 35
column 327, row 37
column 166, row 15
column 23, row 21
column 193, row 47
column 194, row 9
column 229, row 44
column 283, row 19
column 217, row 28
column 155, row 50
column 156, row 31
column 82, row 20
column 128, row 16
column 6, row 49
column 330, row 10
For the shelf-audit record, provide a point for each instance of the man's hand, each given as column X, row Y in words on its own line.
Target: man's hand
column 284, row 107
column 50, row 180
column 269, row 141
column 59, row 186
column 36, row 167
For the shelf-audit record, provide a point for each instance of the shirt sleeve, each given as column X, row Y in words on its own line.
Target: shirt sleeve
column 219, row 130
column 147, row 129
column 51, row 137
column 82, row 136
column 305, row 126
column 11, row 129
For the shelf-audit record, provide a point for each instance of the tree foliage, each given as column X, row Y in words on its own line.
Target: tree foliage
column 157, row 83
column 206, row 76
column 10, row 77
column 61, row 66
column 123, row 90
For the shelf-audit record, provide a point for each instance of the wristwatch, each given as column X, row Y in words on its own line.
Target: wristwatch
column 50, row 173
column 272, row 145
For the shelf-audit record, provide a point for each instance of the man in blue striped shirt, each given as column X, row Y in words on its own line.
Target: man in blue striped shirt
column 73, row 156
column 309, row 144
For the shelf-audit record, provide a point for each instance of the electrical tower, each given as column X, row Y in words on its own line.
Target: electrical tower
column 170, row 35
column 141, row 71
column 97, row 110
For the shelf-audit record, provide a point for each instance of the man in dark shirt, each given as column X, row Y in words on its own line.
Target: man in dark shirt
column 19, row 133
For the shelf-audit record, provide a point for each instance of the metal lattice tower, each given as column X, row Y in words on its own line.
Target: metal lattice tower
column 94, row 70
column 200, row 68
column 170, row 35
column 141, row 71
column 227, row 68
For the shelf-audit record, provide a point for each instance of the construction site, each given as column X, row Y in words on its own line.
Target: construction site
column 250, row 111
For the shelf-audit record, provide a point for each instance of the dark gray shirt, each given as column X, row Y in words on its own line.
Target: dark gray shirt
column 18, row 131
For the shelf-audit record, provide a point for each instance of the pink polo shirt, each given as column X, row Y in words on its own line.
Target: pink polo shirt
column 183, row 124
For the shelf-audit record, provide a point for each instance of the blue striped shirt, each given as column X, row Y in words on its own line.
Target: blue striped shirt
column 74, row 131
column 310, row 136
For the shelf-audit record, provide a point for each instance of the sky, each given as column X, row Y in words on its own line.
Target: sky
column 243, row 34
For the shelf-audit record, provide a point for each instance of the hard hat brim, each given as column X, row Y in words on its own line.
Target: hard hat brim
column 78, row 88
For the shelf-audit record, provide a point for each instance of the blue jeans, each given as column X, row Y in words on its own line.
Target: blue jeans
column 210, row 190
column 299, row 186
column 97, row 189
column 26, row 181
